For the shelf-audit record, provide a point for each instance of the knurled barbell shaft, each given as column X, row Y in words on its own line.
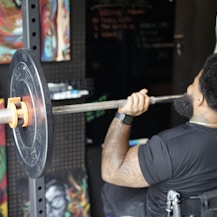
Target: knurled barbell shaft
column 113, row 104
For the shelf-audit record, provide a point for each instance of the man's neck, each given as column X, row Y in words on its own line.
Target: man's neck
column 208, row 119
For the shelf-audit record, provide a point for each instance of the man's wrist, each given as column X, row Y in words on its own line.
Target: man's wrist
column 124, row 118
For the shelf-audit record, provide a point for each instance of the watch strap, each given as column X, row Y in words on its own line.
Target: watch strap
column 124, row 118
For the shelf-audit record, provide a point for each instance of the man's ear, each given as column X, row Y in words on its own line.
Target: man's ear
column 200, row 99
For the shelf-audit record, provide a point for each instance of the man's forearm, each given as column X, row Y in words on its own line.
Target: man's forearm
column 115, row 148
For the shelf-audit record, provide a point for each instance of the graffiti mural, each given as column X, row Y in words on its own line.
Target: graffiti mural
column 54, row 29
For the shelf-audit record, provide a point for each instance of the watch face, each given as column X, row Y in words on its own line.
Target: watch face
column 126, row 119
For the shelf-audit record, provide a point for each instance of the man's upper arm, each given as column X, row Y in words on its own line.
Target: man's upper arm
column 155, row 160
column 129, row 173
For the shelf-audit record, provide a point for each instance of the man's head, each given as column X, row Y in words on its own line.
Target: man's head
column 203, row 89
column 208, row 81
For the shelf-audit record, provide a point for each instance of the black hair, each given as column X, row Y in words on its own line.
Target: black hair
column 208, row 81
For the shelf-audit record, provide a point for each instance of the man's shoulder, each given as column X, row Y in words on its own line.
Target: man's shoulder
column 175, row 132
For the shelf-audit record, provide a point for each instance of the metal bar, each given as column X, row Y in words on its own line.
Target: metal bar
column 31, row 38
column 31, row 25
column 37, row 197
column 6, row 116
column 164, row 99
column 113, row 104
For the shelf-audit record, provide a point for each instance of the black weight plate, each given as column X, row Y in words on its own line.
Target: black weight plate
column 34, row 142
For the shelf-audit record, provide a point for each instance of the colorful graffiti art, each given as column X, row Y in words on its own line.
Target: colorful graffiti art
column 66, row 194
column 10, row 29
column 55, row 30
column 3, row 175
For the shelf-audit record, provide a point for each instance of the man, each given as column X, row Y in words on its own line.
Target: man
column 183, row 158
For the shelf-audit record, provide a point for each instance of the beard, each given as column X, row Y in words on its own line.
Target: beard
column 184, row 106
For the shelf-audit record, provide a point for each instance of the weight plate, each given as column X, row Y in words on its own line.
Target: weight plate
column 34, row 142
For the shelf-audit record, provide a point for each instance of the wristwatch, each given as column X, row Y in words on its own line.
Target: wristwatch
column 126, row 119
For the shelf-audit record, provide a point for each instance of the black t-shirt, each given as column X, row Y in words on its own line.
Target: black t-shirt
column 183, row 159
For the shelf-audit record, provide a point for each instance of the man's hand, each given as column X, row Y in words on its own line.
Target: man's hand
column 137, row 103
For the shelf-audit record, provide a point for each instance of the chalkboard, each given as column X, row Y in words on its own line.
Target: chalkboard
column 150, row 22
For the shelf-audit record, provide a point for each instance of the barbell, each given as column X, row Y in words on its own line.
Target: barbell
column 17, row 110
column 30, row 114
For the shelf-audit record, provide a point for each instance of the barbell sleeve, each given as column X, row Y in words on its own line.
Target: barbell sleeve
column 6, row 116
column 112, row 104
